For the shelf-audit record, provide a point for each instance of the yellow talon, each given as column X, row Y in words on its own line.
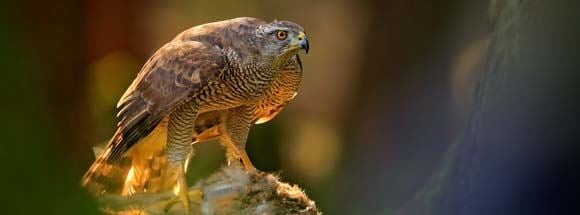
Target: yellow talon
column 196, row 196
column 182, row 192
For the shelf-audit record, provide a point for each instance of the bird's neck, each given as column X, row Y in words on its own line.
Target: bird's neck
column 267, row 66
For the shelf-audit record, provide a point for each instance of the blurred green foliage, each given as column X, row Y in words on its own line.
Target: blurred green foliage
column 32, row 179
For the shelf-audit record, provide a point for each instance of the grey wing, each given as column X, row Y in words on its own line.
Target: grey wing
column 171, row 76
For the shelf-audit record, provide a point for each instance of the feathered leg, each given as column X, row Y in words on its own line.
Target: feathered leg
column 235, row 133
column 179, row 135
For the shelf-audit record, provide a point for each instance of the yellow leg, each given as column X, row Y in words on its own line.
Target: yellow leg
column 182, row 193
column 178, row 151
column 235, row 133
column 245, row 159
column 182, row 190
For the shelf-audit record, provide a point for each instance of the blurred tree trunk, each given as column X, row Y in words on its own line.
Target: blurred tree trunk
column 68, row 36
column 402, row 119
column 519, row 152
column 54, row 30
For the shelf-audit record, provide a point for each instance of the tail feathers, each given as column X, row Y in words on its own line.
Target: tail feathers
column 147, row 174
column 149, row 171
column 142, row 169
column 105, row 175
column 139, row 170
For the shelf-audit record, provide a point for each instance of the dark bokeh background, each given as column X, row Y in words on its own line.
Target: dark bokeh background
column 406, row 106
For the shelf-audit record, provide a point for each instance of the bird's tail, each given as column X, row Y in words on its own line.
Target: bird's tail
column 144, row 167
column 106, row 175
column 141, row 169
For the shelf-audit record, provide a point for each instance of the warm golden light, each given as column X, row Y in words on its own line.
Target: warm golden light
column 128, row 188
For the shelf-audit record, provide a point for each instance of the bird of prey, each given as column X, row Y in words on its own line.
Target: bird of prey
column 211, row 81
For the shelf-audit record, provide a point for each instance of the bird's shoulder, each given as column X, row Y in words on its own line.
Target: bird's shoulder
column 171, row 77
column 221, row 33
column 175, row 71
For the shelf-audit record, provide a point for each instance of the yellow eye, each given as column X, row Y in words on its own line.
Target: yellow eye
column 281, row 35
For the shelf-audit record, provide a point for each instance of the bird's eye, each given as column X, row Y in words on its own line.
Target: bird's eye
column 281, row 35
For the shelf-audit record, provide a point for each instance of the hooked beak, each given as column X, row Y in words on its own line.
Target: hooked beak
column 300, row 42
column 303, row 42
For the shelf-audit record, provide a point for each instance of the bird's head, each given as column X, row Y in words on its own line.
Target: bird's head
column 281, row 39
